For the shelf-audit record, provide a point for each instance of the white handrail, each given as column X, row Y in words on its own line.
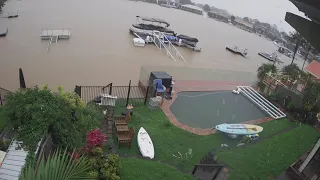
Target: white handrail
column 161, row 43
column 170, row 44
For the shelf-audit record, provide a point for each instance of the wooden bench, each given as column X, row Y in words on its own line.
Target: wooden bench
column 126, row 138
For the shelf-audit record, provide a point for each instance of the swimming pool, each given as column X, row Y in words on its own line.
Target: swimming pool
column 208, row 109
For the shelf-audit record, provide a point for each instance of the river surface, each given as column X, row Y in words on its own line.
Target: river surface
column 100, row 50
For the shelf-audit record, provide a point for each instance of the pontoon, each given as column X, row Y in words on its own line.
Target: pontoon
column 147, row 25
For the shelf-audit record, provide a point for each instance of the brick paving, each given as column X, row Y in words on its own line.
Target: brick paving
column 201, row 86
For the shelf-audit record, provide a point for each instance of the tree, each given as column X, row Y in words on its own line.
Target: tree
column 206, row 7
column 298, row 40
column 58, row 166
column 246, row 19
column 33, row 113
column 310, row 100
column 185, row 2
column 232, row 18
column 292, row 71
column 264, row 69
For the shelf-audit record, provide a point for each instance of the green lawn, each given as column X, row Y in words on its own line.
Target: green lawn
column 137, row 169
column 269, row 157
column 168, row 140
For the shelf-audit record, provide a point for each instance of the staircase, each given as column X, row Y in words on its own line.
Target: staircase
column 310, row 156
column 53, row 39
column 162, row 42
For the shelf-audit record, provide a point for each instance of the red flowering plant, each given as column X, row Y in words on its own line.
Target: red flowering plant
column 94, row 139
column 74, row 156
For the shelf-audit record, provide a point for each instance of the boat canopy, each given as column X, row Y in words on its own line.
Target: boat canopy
column 154, row 20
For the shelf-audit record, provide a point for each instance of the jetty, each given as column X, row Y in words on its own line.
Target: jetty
column 53, row 35
column 47, row 34
column 11, row 15
column 237, row 50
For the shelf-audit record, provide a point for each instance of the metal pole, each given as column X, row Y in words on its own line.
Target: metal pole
column 1, row 100
column 146, row 97
column 128, row 96
column 110, row 89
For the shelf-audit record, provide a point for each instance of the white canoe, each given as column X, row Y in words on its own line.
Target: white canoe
column 145, row 144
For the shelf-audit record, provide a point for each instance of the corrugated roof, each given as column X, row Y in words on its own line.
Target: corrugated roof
column 314, row 69
column 192, row 7
column 13, row 161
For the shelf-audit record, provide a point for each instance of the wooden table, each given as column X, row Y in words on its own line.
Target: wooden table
column 122, row 128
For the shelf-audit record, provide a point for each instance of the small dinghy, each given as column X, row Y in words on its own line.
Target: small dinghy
column 3, row 32
column 237, row 50
column 145, row 144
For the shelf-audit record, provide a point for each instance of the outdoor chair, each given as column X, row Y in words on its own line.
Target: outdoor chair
column 126, row 138
column 122, row 120
column 159, row 87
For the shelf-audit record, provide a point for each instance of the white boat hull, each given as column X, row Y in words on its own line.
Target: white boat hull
column 137, row 30
column 145, row 144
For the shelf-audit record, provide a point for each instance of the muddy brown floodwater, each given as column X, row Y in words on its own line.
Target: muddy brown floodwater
column 100, row 50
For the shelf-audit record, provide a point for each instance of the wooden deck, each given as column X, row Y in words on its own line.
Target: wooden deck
column 60, row 33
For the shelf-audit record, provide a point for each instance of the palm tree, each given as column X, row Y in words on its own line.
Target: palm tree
column 264, row 69
column 292, row 71
column 298, row 40
column 59, row 166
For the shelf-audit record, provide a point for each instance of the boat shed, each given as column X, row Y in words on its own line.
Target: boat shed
column 192, row 8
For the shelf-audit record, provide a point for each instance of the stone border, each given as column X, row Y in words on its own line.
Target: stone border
column 199, row 86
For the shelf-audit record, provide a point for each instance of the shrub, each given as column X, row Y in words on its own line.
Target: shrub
column 102, row 167
column 95, row 139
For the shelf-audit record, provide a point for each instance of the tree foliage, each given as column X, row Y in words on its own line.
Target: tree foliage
column 206, row 8
column 232, row 18
column 311, row 97
column 246, row 19
column 34, row 112
column 183, row 2
column 102, row 167
column 265, row 68
column 58, row 166
column 292, row 71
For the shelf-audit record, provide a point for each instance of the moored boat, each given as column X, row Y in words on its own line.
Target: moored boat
column 147, row 25
column 271, row 57
column 3, row 32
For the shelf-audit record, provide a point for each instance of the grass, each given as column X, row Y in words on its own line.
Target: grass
column 131, row 170
column 250, row 162
column 269, row 157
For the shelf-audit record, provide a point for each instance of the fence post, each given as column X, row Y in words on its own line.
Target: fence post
column 77, row 90
column 128, row 93
column 1, row 100
column 110, row 89
column 21, row 79
column 146, row 97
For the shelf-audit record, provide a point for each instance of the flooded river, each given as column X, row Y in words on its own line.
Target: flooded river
column 101, row 51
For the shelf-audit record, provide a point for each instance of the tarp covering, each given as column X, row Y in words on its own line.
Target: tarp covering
column 154, row 20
